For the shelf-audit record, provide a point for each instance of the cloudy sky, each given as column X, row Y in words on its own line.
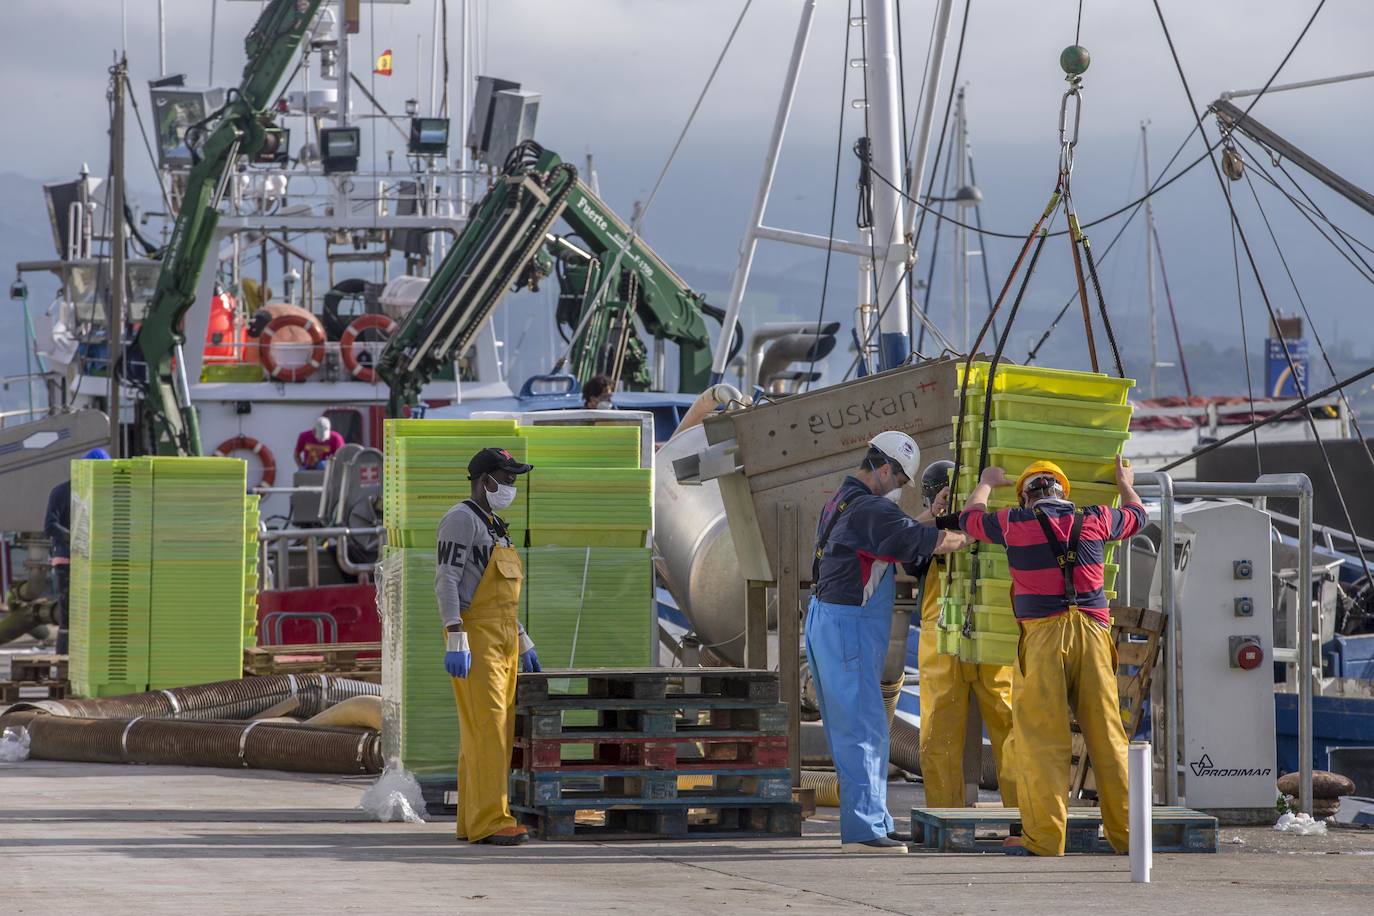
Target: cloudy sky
column 618, row 78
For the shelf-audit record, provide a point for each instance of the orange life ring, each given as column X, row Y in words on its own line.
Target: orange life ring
column 349, row 339
column 249, row 444
column 295, row 373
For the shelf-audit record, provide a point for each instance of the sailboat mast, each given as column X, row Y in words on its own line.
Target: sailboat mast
column 1150, row 262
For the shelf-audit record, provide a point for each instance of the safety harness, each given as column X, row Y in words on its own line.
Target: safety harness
column 1067, row 557
column 496, row 526
column 824, row 540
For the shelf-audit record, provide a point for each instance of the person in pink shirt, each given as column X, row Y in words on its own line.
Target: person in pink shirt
column 315, row 446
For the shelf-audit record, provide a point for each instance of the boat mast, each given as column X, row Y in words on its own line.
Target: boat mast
column 889, row 207
column 1150, row 262
column 115, row 206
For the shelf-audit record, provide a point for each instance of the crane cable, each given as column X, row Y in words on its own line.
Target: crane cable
column 1254, row 267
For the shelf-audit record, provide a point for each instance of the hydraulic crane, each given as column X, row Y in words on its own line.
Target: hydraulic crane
column 242, row 127
column 508, row 245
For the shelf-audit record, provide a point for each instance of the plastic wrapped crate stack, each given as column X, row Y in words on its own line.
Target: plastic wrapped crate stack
column 1078, row 420
column 110, row 576
column 419, row 718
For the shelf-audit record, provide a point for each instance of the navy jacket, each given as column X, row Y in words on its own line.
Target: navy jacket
column 872, row 533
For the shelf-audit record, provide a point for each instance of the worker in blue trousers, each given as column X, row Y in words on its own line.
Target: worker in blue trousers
column 861, row 536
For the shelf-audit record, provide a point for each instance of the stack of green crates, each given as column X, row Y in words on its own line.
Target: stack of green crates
column 580, row 522
column 251, row 517
column 196, row 627
column 425, row 474
column 164, row 579
column 111, row 581
column 1078, row 420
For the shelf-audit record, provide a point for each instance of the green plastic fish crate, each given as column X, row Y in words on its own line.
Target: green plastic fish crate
column 590, row 607
column 427, row 476
column 1063, row 440
column 557, row 446
column 985, row 648
column 1059, row 383
column 1097, row 469
column 994, row 619
column 1082, row 493
column 580, row 507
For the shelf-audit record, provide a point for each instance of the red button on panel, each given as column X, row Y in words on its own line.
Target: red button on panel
column 1250, row 656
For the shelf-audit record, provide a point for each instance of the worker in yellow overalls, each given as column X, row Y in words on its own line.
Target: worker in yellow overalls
column 477, row 579
column 947, row 682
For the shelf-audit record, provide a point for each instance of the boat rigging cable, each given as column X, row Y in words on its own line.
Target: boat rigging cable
column 1254, row 267
column 1316, row 336
column 638, row 222
column 1245, row 339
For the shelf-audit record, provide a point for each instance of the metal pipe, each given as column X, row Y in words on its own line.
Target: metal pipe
column 1284, row 87
column 921, row 147
column 277, row 534
column 886, row 130
column 1305, row 685
column 770, row 166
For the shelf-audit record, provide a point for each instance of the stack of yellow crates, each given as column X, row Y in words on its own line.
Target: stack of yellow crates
column 1078, row 420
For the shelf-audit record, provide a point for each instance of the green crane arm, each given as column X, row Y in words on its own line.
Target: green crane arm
column 239, row 128
column 666, row 306
column 503, row 234
column 506, row 244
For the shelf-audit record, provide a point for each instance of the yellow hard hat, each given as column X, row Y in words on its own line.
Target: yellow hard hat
column 1039, row 469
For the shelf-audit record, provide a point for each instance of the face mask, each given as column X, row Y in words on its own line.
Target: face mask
column 894, row 495
column 502, row 497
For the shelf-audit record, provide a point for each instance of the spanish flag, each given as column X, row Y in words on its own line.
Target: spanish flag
column 383, row 67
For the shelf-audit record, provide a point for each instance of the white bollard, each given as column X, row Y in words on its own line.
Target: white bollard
column 1141, row 767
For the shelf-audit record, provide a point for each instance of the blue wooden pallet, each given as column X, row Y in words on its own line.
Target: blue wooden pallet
column 984, row 829
column 579, row 788
column 659, row 821
column 613, row 719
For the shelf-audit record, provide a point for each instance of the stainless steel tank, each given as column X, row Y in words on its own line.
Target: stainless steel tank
column 696, row 556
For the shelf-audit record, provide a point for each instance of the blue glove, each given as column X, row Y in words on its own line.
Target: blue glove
column 458, row 657
column 529, row 659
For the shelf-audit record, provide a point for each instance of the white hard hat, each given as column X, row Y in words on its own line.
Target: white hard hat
column 902, row 449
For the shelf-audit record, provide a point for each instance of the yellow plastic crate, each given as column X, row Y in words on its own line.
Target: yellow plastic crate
column 1053, row 411
column 1097, row 469
column 1067, row 440
column 1084, row 493
column 951, row 642
column 1061, row 383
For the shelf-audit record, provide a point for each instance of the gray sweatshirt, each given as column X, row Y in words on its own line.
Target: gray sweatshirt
column 464, row 549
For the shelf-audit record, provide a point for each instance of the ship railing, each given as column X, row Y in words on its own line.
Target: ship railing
column 275, row 547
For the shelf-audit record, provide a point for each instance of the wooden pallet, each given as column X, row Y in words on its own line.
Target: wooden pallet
column 576, row 688
column 612, row 719
column 440, row 794
column 540, row 788
column 1138, row 634
column 52, row 690
column 984, row 829
column 653, row 822
column 696, row 755
column 39, row 669
column 346, row 659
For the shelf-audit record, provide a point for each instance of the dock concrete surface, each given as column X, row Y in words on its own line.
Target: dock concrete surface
column 109, row 840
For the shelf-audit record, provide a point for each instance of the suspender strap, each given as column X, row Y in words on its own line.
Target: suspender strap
column 824, row 540
column 1068, row 558
column 496, row 527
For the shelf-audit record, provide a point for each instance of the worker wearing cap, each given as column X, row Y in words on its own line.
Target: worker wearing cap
column 477, row 579
column 1066, row 654
column 862, row 534
column 947, row 683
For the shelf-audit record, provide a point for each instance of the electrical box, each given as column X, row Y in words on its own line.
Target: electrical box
column 1226, row 647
